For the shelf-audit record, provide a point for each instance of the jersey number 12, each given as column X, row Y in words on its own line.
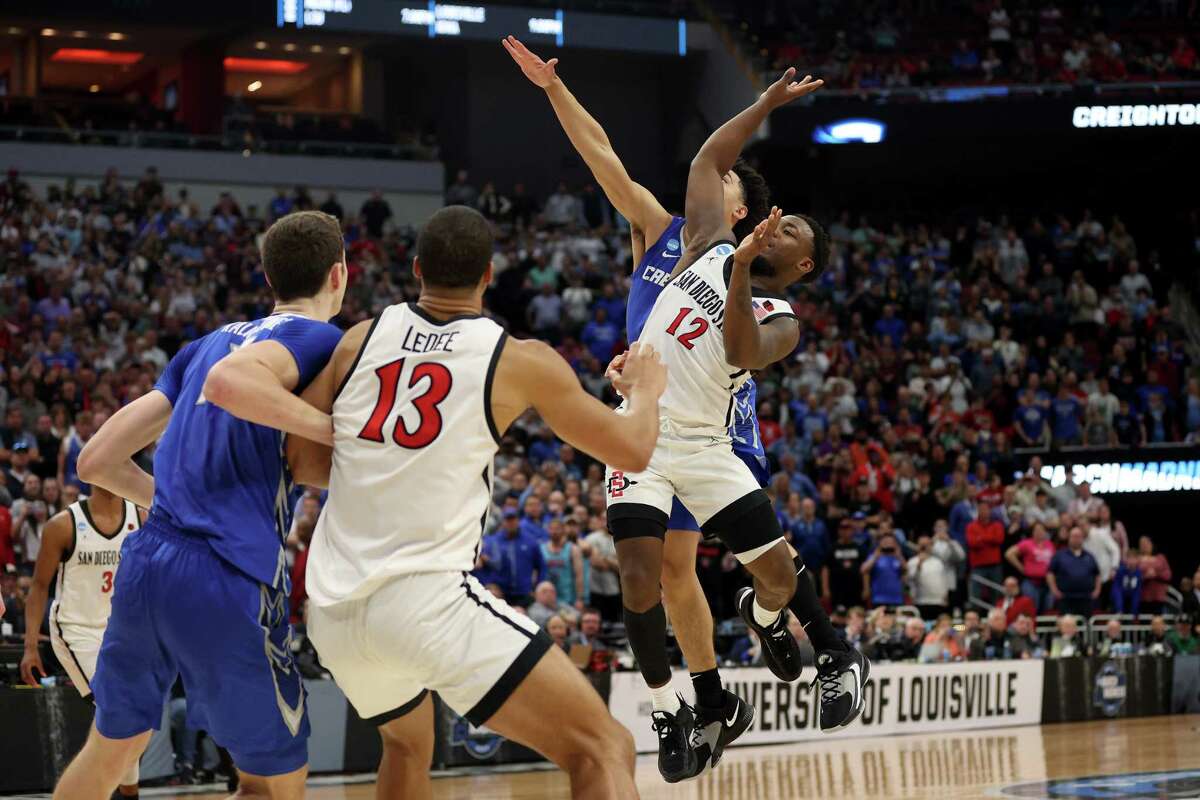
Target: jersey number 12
column 429, row 425
column 699, row 326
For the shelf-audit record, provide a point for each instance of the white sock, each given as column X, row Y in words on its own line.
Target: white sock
column 762, row 616
column 664, row 699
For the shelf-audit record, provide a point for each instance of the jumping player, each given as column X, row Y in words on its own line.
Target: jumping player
column 712, row 329
column 420, row 398
column 203, row 589
column 658, row 240
column 82, row 546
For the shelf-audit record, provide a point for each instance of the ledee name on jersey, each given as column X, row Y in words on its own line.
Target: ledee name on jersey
column 98, row 558
column 416, row 342
column 708, row 299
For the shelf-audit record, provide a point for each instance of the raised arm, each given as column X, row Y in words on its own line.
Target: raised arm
column 705, row 204
column 255, row 383
column 633, row 200
column 530, row 373
column 748, row 344
column 57, row 538
column 107, row 458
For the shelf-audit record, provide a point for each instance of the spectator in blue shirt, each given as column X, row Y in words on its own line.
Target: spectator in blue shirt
column 281, row 205
column 1064, row 414
column 57, row 354
column 1030, row 420
column 613, row 305
column 1127, row 585
column 600, row 335
column 798, row 482
column 534, row 520
column 511, row 559
column 1127, row 424
column 1074, row 577
column 884, row 572
column 1152, row 387
column 808, row 532
column 543, row 448
column 890, row 326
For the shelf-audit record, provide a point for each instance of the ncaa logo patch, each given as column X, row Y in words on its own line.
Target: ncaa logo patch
column 1168, row 785
column 1109, row 693
column 618, row 483
column 723, row 250
column 672, row 244
column 480, row 743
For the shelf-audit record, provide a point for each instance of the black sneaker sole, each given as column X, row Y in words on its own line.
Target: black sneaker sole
column 747, row 616
column 690, row 771
column 862, row 699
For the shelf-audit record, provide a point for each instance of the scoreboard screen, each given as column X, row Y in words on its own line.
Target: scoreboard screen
column 534, row 25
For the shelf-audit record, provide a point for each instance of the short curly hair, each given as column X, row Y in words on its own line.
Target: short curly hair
column 755, row 194
column 820, row 246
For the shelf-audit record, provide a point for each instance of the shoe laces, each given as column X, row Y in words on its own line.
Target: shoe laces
column 779, row 631
column 664, row 724
column 830, row 685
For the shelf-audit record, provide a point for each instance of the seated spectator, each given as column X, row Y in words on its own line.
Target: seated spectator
column 589, row 630
column 942, row 643
column 1114, row 643
column 1068, row 642
column 1127, row 586
column 911, row 639
column 1074, row 577
column 856, row 627
column 1158, row 641
column 558, row 629
column 1024, row 643
column 994, row 642
column 1184, row 639
column 972, row 628
column 546, row 605
column 1013, row 603
column 884, row 635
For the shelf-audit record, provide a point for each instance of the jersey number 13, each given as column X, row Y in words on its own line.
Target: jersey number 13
column 429, row 424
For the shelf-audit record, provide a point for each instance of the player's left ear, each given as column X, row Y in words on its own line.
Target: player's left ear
column 486, row 280
column 804, row 268
column 416, row 267
column 740, row 212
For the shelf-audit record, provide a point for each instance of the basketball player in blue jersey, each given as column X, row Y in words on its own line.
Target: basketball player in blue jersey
column 659, row 240
column 202, row 592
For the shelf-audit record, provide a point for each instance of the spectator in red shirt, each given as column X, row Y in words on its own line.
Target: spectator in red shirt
column 1183, row 56
column 304, row 533
column 1013, row 603
column 1156, row 576
column 985, row 537
column 7, row 553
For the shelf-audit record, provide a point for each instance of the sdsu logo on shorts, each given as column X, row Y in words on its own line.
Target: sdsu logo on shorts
column 618, row 483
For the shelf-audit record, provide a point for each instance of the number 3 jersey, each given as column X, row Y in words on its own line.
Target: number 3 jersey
column 686, row 326
column 83, row 596
column 414, row 440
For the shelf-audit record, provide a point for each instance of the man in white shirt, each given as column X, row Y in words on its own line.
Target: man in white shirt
column 1103, row 401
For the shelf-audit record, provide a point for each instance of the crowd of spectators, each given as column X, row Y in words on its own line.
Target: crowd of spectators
column 930, row 354
column 961, row 42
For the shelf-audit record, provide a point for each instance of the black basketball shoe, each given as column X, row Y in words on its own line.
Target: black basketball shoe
column 842, row 675
column 717, row 728
column 779, row 648
column 676, row 759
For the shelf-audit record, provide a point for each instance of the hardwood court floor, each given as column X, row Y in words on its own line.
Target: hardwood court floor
column 964, row 766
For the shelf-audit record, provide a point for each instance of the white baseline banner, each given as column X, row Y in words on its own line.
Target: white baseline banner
column 900, row 698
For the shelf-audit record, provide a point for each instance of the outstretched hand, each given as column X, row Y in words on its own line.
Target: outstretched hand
column 760, row 239
column 785, row 90
column 539, row 72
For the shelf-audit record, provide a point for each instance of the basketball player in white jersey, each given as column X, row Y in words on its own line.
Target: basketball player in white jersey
column 712, row 328
column 82, row 545
column 419, row 399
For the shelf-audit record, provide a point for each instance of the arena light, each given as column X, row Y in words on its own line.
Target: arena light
column 343, row 50
column 260, row 45
column 79, row 55
column 116, row 37
column 95, row 87
column 268, row 66
column 49, row 32
column 79, row 34
column 851, row 131
column 254, row 86
column 1117, row 477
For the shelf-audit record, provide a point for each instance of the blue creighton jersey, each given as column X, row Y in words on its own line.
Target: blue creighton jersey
column 222, row 478
column 649, row 278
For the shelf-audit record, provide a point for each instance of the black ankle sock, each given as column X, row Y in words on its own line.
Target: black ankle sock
column 647, row 634
column 708, row 688
column 807, row 607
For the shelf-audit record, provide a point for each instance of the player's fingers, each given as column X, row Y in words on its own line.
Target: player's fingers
column 788, row 74
column 552, row 62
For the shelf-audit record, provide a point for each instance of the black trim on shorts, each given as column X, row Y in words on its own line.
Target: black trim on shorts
column 503, row 689
column 357, row 357
column 487, row 386
column 487, row 607
column 71, row 652
column 729, row 524
column 432, row 320
column 640, row 511
column 487, row 510
column 68, row 553
column 398, row 712
column 625, row 528
column 87, row 513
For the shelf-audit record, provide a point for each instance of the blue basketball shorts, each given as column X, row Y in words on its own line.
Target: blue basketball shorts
column 180, row 610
